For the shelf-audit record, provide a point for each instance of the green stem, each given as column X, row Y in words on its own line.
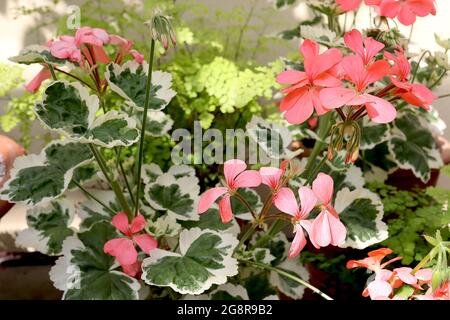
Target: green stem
column 247, row 234
column 287, row 275
column 242, row 31
column 438, row 80
column 75, row 77
column 444, row 96
column 113, row 183
column 274, row 228
column 324, row 127
column 418, row 65
column 422, row 263
column 123, row 173
column 90, row 195
column 52, row 71
column 144, row 124
column 316, row 170
column 249, row 207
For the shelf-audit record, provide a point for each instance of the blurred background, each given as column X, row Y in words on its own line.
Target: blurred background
column 253, row 26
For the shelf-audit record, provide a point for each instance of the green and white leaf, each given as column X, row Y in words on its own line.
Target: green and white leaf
column 361, row 211
column 166, row 225
column 152, row 171
column 68, row 109
column 413, row 147
column 130, row 79
column 48, row 227
column 273, row 139
column 372, row 134
column 158, row 123
column 38, row 54
column 86, row 272
column 91, row 212
column 286, row 285
column 211, row 220
column 39, row 178
column 240, row 210
column 262, row 255
column 226, row 291
column 179, row 197
column 205, row 259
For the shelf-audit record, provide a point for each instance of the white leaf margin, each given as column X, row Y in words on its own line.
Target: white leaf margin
column 188, row 186
column 345, row 197
column 31, row 237
column 234, row 290
column 159, row 78
column 187, row 237
column 160, row 117
column 35, row 160
column 385, row 137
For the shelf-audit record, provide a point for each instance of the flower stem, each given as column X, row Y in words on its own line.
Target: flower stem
column 245, row 203
column 113, row 183
column 247, row 234
column 422, row 263
column 287, row 275
column 90, row 195
column 52, row 71
column 144, row 124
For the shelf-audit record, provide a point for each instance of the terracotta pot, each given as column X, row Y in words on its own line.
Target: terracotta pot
column 9, row 151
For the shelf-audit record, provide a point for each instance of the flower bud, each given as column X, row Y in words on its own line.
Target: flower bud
column 161, row 29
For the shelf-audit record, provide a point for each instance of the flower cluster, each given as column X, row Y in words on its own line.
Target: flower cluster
column 324, row 230
column 123, row 248
column 331, row 81
column 405, row 11
column 85, row 49
column 387, row 284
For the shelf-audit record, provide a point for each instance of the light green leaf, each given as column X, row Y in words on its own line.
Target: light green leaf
column 205, row 259
column 288, row 286
column 67, row 108
column 179, row 197
column 37, row 178
column 361, row 211
column 413, row 147
column 48, row 227
column 86, row 272
column 130, row 80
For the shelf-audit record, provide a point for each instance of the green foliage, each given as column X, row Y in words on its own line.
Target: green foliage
column 410, row 215
column 11, row 76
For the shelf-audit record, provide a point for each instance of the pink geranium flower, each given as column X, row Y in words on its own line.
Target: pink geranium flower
column 302, row 95
column 366, row 48
column 406, row 11
column 414, row 93
column 65, row 48
column 125, row 48
column 235, row 177
column 349, row 5
column 95, row 37
column 123, row 248
column 361, row 76
column 327, row 228
column 271, row 176
column 286, row 202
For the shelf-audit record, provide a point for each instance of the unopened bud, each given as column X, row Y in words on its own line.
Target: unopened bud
column 161, row 29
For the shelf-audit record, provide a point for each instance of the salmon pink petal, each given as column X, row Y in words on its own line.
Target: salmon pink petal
column 307, row 225
column 389, row 8
column 348, row 5
column 320, row 230
column 379, row 254
column 400, row 84
column 373, row 2
column 301, row 110
column 132, row 269
column 372, row 48
column 405, row 275
column 225, row 209
column 146, row 242
column 323, row 188
column 292, row 98
column 379, row 288
column 333, row 98
column 232, row 168
column 209, row 197
column 327, row 80
column 137, row 56
column 420, row 96
column 308, row 201
column 285, row 201
column 354, row 41
column 376, row 71
column 309, row 49
column 34, row 85
column 406, row 16
column 271, row 176
column 120, row 221
column 291, row 77
column 137, row 224
column 317, row 103
column 122, row 249
column 298, row 243
column 380, row 110
column 338, row 230
column 247, row 179
column 355, row 70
